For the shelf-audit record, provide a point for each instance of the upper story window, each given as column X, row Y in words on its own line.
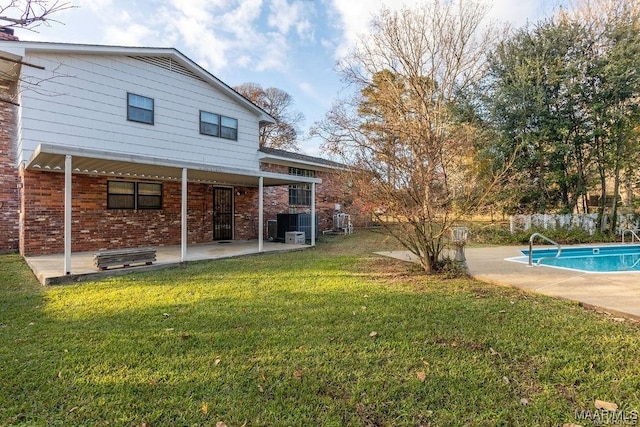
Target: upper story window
column 139, row 108
column 217, row 125
column 134, row 195
column 300, row 194
column 302, row 172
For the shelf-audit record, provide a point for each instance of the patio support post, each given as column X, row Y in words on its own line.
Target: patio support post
column 67, row 214
column 313, row 214
column 260, row 214
column 183, row 238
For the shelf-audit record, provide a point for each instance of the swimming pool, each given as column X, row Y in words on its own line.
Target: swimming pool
column 589, row 259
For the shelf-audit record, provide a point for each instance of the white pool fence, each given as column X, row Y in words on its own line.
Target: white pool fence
column 586, row 222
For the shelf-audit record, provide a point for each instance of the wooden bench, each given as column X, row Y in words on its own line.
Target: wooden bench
column 123, row 257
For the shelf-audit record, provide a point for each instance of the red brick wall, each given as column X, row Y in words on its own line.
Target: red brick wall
column 9, row 192
column 7, row 36
column 94, row 227
column 331, row 191
column 246, row 213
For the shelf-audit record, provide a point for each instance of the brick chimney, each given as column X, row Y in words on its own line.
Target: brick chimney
column 9, row 177
column 7, row 34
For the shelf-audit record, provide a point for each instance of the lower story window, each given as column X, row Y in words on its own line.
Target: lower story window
column 300, row 194
column 134, row 195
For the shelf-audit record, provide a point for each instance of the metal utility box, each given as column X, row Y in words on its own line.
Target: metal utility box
column 272, row 230
column 294, row 237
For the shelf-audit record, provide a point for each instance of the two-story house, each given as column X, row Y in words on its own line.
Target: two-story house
column 105, row 147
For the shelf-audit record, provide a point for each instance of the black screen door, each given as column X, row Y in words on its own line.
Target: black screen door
column 222, row 213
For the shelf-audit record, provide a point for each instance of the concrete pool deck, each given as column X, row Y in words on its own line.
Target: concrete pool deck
column 616, row 293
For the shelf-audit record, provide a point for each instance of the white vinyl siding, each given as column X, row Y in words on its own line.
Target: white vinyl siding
column 83, row 107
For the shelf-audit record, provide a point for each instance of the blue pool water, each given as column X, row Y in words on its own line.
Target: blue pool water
column 593, row 259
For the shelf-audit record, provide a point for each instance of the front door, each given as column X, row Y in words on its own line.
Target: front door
column 222, row 213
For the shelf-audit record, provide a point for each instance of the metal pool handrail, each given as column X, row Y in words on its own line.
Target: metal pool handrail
column 633, row 266
column 628, row 230
column 532, row 238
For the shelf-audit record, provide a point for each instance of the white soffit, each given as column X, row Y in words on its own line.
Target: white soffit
column 51, row 158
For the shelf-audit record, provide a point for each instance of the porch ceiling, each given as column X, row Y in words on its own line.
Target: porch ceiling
column 51, row 158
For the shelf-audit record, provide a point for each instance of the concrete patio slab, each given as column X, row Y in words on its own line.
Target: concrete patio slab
column 616, row 293
column 49, row 269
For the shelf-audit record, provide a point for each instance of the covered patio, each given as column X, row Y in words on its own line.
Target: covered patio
column 50, row 269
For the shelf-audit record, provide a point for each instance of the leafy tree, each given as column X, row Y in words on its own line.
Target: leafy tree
column 278, row 104
column 565, row 90
column 535, row 76
column 414, row 156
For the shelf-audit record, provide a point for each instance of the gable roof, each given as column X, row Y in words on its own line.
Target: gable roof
column 277, row 156
column 22, row 47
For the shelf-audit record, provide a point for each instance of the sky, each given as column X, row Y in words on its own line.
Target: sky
column 289, row 44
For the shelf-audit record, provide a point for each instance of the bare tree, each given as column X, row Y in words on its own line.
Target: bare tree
column 417, row 154
column 29, row 14
column 278, row 104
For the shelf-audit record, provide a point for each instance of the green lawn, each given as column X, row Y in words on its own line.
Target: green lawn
column 329, row 336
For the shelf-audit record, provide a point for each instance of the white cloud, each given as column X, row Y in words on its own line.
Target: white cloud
column 128, row 35
column 124, row 31
column 94, row 5
column 307, row 88
column 276, row 56
column 283, row 15
column 354, row 16
column 216, row 31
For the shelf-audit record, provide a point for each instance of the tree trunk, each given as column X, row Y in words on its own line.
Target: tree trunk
column 614, row 202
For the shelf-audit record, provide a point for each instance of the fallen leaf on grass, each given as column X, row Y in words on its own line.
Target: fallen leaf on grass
column 505, row 380
column 421, row 376
column 373, row 334
column 204, row 408
column 524, row 401
column 607, row 406
column 297, row 374
column 221, row 424
column 260, row 389
column 216, row 362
